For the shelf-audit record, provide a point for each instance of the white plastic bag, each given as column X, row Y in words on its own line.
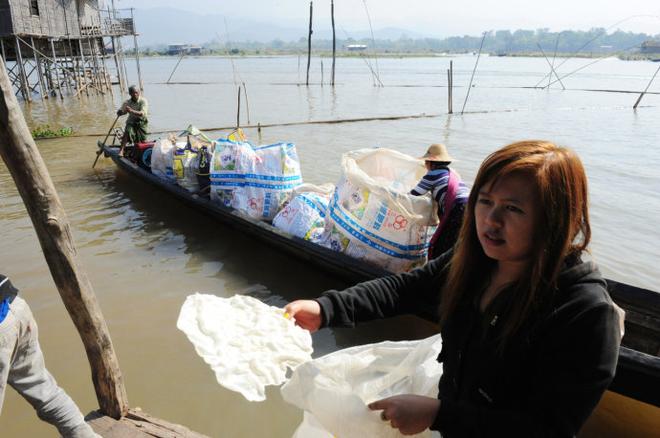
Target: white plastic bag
column 336, row 389
column 161, row 159
column 305, row 215
column 185, row 164
column 372, row 215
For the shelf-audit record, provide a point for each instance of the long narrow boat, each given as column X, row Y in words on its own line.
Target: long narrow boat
column 630, row 408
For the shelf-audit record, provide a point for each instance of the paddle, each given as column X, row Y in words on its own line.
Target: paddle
column 100, row 145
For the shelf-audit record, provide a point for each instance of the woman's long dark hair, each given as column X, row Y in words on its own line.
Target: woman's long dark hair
column 563, row 230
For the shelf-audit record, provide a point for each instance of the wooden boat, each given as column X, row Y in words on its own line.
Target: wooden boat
column 631, row 406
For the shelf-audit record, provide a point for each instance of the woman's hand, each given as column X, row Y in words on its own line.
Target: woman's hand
column 306, row 313
column 409, row 413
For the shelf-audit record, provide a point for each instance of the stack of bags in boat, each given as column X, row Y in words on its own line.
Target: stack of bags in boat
column 372, row 215
column 305, row 215
column 255, row 180
column 183, row 159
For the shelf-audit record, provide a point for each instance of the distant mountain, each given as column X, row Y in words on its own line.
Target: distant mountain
column 162, row 26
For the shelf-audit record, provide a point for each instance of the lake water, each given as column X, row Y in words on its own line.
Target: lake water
column 144, row 252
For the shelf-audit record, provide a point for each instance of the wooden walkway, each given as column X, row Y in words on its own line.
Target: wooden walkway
column 137, row 424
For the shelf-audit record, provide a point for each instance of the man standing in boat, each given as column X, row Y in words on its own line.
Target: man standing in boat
column 137, row 109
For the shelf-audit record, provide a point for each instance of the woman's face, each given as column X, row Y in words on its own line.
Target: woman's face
column 506, row 216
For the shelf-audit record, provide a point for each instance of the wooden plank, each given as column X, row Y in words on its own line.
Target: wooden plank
column 138, row 424
column 42, row 202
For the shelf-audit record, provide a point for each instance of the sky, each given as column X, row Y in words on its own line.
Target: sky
column 437, row 18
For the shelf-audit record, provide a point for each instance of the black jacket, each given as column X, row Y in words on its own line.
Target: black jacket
column 548, row 379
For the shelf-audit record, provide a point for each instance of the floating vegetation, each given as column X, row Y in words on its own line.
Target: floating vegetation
column 45, row 131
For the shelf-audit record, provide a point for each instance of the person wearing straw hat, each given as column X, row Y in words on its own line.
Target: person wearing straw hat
column 448, row 191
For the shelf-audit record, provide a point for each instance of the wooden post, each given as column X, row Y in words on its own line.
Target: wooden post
column 321, row 72
column 74, row 69
column 137, row 54
column 120, row 78
column 65, row 67
column 27, row 168
column 309, row 42
column 247, row 103
column 57, row 72
column 639, row 99
column 93, row 66
column 83, row 62
column 238, row 109
column 106, row 76
column 450, row 88
column 40, row 73
column 27, row 92
column 334, row 40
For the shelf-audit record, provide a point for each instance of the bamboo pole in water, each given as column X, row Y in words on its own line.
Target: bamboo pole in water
column 238, row 109
column 25, row 85
column 639, row 99
column 552, row 68
column 450, row 88
column 309, row 42
column 27, row 168
column 473, row 71
column 40, row 73
column 57, row 69
column 137, row 54
column 334, row 41
column 247, row 103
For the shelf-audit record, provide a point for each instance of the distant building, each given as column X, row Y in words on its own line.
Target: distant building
column 185, row 49
column 356, row 47
column 650, row 47
column 177, row 49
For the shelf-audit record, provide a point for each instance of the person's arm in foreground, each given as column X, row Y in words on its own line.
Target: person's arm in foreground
column 416, row 292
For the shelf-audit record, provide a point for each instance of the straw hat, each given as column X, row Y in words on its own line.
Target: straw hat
column 437, row 152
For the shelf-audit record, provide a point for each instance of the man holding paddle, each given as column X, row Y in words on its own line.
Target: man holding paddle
column 137, row 109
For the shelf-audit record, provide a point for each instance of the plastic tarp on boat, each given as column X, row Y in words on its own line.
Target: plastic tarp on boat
column 255, row 180
column 372, row 215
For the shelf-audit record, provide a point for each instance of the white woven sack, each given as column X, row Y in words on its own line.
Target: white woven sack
column 273, row 175
column 231, row 161
column 304, row 216
column 372, row 215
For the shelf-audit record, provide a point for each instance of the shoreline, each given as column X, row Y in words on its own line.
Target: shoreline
column 652, row 57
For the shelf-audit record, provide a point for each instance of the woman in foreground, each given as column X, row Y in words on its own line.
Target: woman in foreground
column 530, row 334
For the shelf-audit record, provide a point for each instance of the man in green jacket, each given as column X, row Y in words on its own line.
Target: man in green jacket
column 137, row 109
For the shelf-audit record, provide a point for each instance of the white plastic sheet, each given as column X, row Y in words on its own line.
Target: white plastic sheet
column 247, row 343
column 334, row 390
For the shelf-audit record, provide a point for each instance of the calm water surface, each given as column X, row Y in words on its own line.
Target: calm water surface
column 144, row 252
